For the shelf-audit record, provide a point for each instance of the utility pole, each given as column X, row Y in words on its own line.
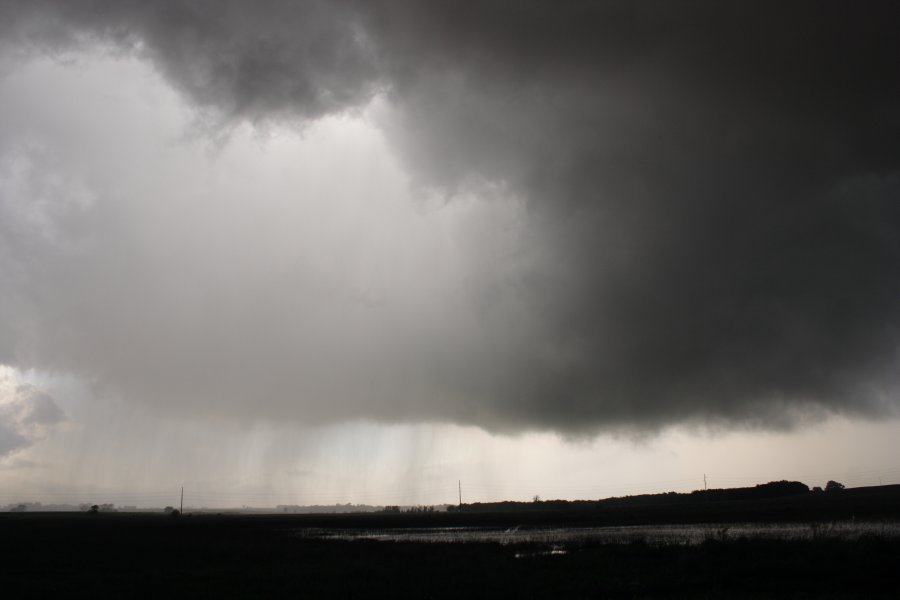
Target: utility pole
column 460, row 492
column 705, row 491
column 181, row 506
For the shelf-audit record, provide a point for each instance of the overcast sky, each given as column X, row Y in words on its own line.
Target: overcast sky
column 356, row 251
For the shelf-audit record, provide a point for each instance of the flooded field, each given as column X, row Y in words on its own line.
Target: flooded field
column 650, row 534
column 401, row 556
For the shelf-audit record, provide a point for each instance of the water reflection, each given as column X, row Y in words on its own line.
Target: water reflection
column 651, row 534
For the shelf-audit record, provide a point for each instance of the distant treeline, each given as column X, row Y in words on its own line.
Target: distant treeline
column 327, row 508
column 773, row 489
column 21, row 507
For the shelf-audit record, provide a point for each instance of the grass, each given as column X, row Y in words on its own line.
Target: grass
column 246, row 557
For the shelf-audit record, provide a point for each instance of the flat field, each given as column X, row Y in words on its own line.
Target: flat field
column 238, row 556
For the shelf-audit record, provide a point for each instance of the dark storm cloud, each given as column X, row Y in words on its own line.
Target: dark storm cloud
column 714, row 188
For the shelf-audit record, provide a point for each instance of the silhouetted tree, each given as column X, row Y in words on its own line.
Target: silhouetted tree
column 833, row 486
column 94, row 509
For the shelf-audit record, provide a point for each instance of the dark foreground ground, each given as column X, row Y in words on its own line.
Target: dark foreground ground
column 208, row 556
column 235, row 556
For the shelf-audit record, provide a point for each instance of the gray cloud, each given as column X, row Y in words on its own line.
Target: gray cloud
column 710, row 200
column 26, row 414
